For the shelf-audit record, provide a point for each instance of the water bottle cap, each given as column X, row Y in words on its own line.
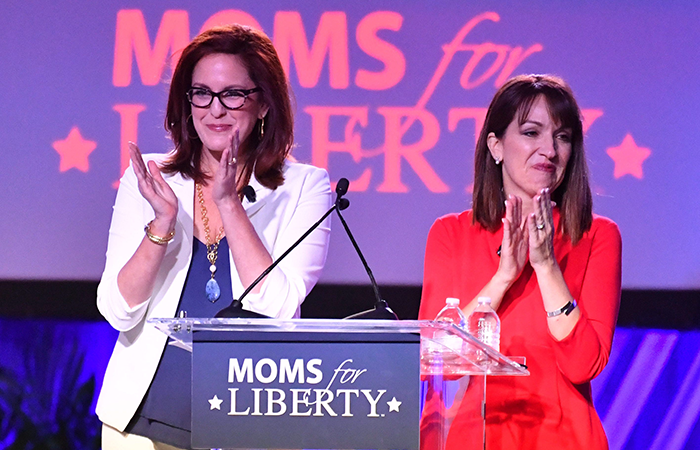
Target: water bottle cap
column 481, row 300
column 452, row 301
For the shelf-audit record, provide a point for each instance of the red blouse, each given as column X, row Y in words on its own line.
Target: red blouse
column 551, row 408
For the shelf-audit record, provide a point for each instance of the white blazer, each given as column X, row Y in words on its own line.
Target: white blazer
column 280, row 217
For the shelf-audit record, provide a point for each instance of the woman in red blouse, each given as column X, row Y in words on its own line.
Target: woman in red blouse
column 550, row 266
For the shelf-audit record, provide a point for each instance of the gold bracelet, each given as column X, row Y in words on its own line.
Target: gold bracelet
column 157, row 239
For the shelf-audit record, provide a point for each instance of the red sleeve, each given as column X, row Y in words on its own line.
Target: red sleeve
column 583, row 354
column 438, row 270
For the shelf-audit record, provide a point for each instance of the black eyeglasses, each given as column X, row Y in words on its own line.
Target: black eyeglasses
column 230, row 98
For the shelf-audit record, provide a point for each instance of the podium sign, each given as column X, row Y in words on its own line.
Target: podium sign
column 333, row 384
column 272, row 390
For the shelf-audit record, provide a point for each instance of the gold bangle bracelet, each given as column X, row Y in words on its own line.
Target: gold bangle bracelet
column 157, row 239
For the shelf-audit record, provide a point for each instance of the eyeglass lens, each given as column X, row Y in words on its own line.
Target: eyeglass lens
column 203, row 98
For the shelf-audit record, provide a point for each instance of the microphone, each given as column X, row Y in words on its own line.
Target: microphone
column 249, row 193
column 341, row 188
column 235, row 309
column 381, row 308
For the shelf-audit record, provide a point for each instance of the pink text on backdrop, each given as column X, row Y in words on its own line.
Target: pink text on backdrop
column 331, row 43
column 132, row 42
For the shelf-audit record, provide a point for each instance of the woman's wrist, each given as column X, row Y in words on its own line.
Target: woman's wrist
column 499, row 285
column 162, row 226
column 229, row 205
column 502, row 280
column 546, row 268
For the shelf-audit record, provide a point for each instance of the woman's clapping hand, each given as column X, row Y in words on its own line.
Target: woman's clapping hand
column 224, row 183
column 514, row 246
column 153, row 187
column 541, row 230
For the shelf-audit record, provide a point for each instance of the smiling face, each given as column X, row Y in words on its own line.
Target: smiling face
column 215, row 124
column 534, row 154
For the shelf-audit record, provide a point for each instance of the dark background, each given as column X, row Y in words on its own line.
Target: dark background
column 658, row 309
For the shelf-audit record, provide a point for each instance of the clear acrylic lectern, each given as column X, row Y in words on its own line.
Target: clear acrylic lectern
column 325, row 383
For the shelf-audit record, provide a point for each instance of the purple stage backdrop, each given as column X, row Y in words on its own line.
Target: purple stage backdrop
column 389, row 94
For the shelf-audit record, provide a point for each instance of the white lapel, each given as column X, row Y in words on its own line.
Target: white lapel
column 261, row 194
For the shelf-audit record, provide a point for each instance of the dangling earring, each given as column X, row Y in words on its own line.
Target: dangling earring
column 196, row 136
column 262, row 127
column 497, row 161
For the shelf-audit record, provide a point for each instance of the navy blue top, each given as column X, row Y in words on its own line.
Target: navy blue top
column 165, row 412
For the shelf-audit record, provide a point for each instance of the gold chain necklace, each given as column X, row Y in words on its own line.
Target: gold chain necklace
column 212, row 288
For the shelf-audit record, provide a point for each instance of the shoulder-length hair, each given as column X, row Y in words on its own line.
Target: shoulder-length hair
column 573, row 195
column 264, row 155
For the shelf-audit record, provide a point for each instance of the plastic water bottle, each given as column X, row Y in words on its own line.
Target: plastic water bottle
column 440, row 354
column 484, row 324
column 451, row 313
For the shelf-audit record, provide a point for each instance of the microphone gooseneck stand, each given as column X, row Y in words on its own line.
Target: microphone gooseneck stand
column 235, row 309
column 381, row 308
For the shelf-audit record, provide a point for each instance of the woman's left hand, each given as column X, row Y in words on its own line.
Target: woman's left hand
column 555, row 292
column 224, row 184
column 541, row 231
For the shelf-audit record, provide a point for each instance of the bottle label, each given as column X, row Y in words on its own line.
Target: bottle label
column 487, row 333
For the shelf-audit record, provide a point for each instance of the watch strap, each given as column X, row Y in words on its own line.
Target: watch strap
column 566, row 309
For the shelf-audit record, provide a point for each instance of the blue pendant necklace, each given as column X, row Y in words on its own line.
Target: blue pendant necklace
column 212, row 288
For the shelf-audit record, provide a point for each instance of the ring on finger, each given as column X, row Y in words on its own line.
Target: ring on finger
column 232, row 162
column 540, row 226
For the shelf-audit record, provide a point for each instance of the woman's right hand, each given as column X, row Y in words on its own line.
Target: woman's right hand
column 514, row 256
column 515, row 244
column 155, row 190
column 225, row 178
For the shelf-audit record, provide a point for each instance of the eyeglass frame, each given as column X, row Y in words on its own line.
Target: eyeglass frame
column 217, row 95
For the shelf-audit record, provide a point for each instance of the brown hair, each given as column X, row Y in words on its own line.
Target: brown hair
column 573, row 195
column 263, row 155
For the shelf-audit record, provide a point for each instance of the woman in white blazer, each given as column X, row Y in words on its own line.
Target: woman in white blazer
column 184, row 235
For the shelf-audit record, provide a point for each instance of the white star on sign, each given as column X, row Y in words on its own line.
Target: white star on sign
column 394, row 405
column 215, row 403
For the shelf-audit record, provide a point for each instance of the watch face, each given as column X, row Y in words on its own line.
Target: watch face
column 570, row 307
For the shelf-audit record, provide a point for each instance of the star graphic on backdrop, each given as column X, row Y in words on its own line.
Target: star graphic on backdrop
column 394, row 405
column 628, row 158
column 215, row 403
column 74, row 151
